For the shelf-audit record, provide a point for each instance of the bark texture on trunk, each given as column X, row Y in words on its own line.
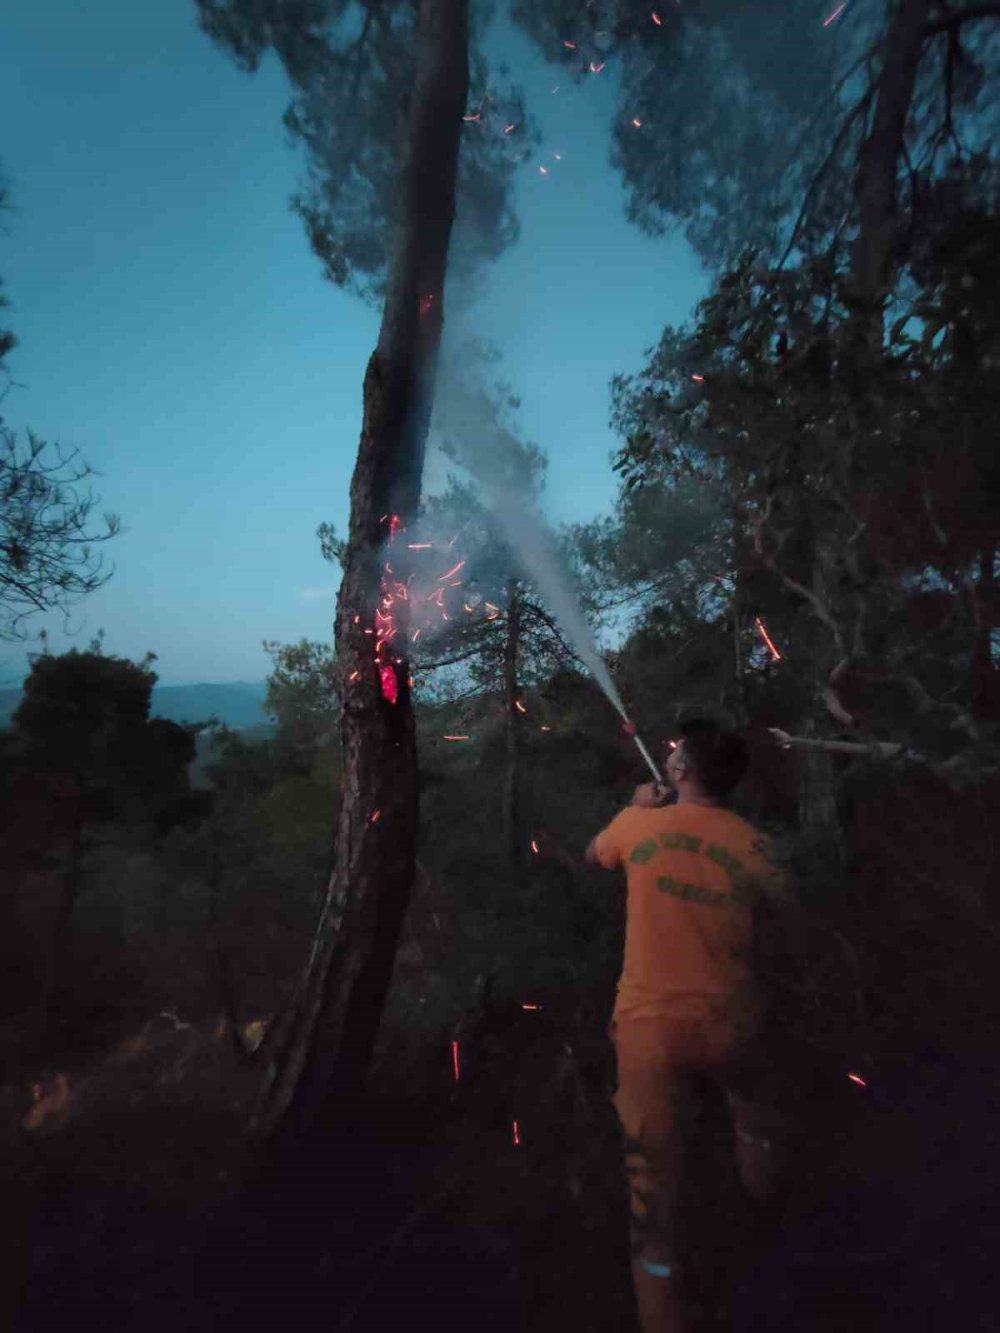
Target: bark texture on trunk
column 510, row 804
column 320, row 1056
column 875, row 182
column 984, row 690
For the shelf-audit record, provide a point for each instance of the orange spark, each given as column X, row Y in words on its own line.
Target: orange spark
column 477, row 116
column 419, row 546
column 637, row 122
column 832, row 18
column 544, row 728
column 415, row 636
column 519, row 706
column 517, row 1137
column 442, row 577
column 596, row 69
column 570, row 46
column 531, row 1006
column 357, row 620
column 856, row 1078
column 454, row 738
column 656, row 19
column 775, row 655
column 534, row 848
column 454, row 1058
column 509, row 129
column 375, row 817
column 355, row 675
column 467, row 606
column 698, row 378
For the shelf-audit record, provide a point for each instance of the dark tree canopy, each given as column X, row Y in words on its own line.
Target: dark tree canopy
column 350, row 63
column 86, row 715
column 752, row 116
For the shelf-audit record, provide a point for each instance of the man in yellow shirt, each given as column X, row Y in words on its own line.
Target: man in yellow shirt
column 685, row 996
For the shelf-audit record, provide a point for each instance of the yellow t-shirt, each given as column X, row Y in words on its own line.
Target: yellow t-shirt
column 688, row 917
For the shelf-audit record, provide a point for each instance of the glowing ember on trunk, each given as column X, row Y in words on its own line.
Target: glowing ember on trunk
column 375, row 817
column 425, row 303
column 355, row 675
column 390, row 685
column 519, row 706
column 454, row 1058
column 517, row 1136
column 762, row 631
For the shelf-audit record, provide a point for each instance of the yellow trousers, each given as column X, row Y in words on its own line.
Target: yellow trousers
column 656, row 1058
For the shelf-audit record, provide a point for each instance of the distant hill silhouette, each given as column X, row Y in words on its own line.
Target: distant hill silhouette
column 236, row 703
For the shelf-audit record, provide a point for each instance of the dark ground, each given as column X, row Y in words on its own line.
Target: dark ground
column 892, row 1220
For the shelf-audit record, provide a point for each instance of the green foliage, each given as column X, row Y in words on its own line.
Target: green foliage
column 302, row 695
column 847, row 513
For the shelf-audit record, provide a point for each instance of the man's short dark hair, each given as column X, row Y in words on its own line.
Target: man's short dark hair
column 718, row 759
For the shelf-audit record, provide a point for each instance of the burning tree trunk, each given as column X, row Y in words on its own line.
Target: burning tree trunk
column 325, row 1040
column 512, row 719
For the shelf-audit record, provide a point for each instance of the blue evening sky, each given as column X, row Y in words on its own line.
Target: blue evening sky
column 175, row 329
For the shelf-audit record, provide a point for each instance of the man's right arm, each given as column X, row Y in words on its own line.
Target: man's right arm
column 604, row 850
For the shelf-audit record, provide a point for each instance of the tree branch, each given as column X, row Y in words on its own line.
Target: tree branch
column 970, row 14
column 858, row 109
